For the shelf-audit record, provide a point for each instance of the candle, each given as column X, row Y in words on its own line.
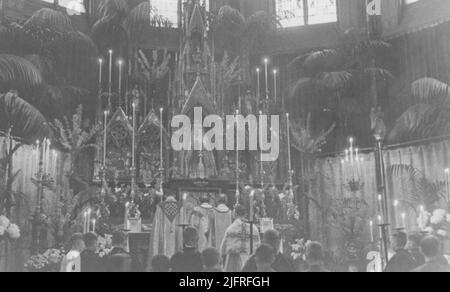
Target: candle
column 404, row 220
column 252, row 196
column 261, row 152
column 100, row 72
column 266, row 66
column 120, row 63
column 161, row 110
column 258, row 85
column 93, row 225
column 380, row 223
column 396, row 204
column 237, row 145
column 125, row 222
column 38, row 156
column 275, row 84
column 380, row 203
column 134, row 137
column 110, row 72
column 288, row 123
column 105, row 125
column 85, row 216
column 372, row 237
column 88, row 221
column 447, row 183
column 55, row 156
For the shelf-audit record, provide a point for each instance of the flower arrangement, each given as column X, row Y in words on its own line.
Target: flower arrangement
column 8, row 230
column 437, row 222
column 104, row 246
column 49, row 261
column 299, row 249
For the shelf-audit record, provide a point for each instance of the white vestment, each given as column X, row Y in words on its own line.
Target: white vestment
column 236, row 245
column 167, row 233
column 202, row 218
column 222, row 220
column 71, row 263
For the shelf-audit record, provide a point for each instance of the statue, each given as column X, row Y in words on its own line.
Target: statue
column 378, row 127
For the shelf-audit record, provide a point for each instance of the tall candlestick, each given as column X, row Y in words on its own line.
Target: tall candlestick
column 258, row 86
column 372, row 237
column 380, row 204
column 252, row 196
column 266, row 66
column 380, row 222
column 110, row 76
column 89, row 211
column 404, row 221
column 100, row 73
column 105, row 125
column 261, row 152
column 275, row 72
column 85, row 216
column 288, row 121
column 396, row 204
column 134, row 137
column 120, row 63
column 125, row 220
column 54, row 156
column 237, row 145
column 161, row 111
column 93, row 225
column 447, row 183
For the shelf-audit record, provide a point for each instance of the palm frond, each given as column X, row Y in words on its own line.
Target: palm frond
column 17, row 71
column 379, row 73
column 411, row 123
column 112, row 8
column 26, row 121
column 51, row 19
column 429, row 90
column 301, row 85
column 335, row 80
column 322, row 59
column 370, row 48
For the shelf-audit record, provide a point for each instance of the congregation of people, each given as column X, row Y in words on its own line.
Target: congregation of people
column 412, row 253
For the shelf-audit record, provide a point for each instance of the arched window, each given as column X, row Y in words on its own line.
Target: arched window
column 304, row 12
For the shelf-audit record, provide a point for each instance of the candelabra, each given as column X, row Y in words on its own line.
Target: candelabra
column 43, row 181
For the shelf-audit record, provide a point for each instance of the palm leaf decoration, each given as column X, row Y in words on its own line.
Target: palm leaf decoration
column 421, row 190
column 18, row 72
column 427, row 119
column 429, row 90
column 49, row 19
column 26, row 122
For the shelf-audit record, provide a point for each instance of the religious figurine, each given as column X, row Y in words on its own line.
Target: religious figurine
column 377, row 121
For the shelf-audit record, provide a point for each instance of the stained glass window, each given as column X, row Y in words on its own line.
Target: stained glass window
column 74, row 7
column 294, row 12
column 167, row 9
column 290, row 12
column 322, row 11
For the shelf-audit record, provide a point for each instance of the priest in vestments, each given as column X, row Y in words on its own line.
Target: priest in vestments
column 236, row 242
column 201, row 219
column 222, row 220
column 167, row 234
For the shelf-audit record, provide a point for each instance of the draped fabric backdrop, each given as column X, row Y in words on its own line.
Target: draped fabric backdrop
column 25, row 161
column 331, row 177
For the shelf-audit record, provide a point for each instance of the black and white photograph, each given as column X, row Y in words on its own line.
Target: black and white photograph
column 227, row 140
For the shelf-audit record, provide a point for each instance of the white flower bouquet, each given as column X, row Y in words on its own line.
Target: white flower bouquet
column 8, row 230
column 49, row 261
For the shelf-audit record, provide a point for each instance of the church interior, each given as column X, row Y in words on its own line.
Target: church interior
column 101, row 133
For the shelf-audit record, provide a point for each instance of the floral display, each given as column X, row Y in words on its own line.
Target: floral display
column 299, row 249
column 49, row 261
column 437, row 222
column 104, row 246
column 8, row 230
